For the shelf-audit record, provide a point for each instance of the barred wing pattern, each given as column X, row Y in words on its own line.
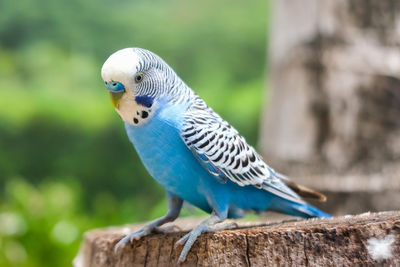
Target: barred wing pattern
column 226, row 154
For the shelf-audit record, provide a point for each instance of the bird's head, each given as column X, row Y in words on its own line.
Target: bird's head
column 136, row 79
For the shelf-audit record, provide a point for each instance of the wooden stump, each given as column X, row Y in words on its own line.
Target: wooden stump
column 367, row 239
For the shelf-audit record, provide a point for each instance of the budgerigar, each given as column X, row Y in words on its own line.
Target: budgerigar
column 191, row 151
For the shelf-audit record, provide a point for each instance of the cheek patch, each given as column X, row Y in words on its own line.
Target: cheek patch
column 144, row 100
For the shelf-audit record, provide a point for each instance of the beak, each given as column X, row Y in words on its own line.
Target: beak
column 115, row 98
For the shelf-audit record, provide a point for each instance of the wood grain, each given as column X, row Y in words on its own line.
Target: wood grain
column 340, row 241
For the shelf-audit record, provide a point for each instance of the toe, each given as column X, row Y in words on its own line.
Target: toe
column 121, row 243
column 188, row 245
column 182, row 241
column 224, row 226
column 136, row 235
column 129, row 239
column 170, row 228
column 181, row 259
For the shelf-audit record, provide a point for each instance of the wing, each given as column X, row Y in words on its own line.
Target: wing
column 226, row 155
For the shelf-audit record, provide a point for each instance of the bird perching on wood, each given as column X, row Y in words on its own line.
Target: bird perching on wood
column 191, row 151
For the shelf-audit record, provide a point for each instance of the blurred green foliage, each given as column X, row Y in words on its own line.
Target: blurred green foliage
column 66, row 164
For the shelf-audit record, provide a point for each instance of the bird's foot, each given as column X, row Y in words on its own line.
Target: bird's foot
column 146, row 230
column 189, row 239
column 167, row 229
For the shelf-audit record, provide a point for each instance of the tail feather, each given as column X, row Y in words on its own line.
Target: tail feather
column 309, row 211
column 306, row 192
column 302, row 190
column 299, row 210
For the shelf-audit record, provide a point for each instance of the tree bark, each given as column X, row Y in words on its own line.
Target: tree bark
column 366, row 239
column 335, row 82
column 332, row 122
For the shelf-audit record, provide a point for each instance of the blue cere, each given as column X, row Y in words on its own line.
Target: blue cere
column 115, row 87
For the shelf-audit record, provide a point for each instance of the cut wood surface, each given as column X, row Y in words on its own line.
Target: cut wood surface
column 367, row 239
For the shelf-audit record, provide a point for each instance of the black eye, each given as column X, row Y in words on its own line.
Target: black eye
column 139, row 77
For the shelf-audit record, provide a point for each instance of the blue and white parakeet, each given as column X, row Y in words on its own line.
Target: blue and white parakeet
column 191, row 151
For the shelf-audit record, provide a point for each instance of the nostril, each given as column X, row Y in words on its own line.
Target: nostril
column 114, row 86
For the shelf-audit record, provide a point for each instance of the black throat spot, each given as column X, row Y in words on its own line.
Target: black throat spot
column 144, row 114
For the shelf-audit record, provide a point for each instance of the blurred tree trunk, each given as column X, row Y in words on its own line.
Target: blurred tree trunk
column 334, row 104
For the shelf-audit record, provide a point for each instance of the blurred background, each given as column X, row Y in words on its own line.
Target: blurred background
column 66, row 165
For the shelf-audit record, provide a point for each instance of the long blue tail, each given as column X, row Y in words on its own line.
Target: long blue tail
column 309, row 211
column 299, row 210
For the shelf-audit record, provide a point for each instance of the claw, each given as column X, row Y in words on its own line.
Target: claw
column 181, row 259
column 122, row 242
